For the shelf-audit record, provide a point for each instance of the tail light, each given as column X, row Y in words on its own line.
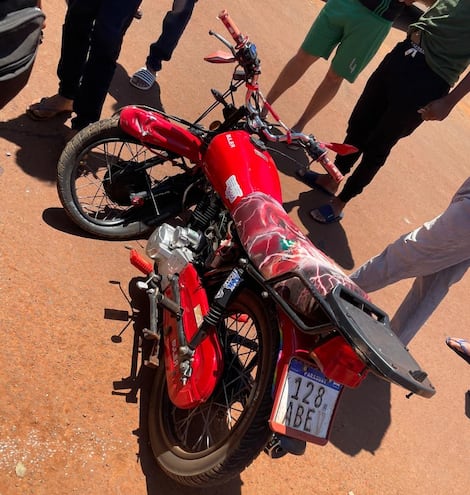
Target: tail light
column 338, row 361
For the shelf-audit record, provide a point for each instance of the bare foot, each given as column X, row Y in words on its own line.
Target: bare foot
column 328, row 183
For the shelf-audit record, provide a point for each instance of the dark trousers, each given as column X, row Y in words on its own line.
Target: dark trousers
column 173, row 26
column 386, row 112
column 92, row 36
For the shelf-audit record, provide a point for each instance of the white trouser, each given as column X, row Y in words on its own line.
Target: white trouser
column 437, row 254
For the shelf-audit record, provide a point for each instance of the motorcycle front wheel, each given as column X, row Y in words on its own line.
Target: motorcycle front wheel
column 113, row 186
column 215, row 441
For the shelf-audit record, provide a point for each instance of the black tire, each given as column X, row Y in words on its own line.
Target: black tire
column 101, row 206
column 215, row 441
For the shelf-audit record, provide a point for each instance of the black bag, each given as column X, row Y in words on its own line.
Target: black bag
column 20, row 35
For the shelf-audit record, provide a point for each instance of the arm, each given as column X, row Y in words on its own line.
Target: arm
column 440, row 109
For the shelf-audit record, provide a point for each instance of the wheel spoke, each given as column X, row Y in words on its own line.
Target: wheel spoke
column 106, row 175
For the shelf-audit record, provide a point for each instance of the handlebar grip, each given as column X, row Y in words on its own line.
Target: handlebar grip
column 231, row 27
column 331, row 168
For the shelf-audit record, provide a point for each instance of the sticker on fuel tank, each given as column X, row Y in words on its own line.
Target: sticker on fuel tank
column 232, row 189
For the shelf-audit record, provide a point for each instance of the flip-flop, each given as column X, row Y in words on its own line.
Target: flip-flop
column 457, row 346
column 310, row 179
column 327, row 214
column 143, row 79
column 40, row 110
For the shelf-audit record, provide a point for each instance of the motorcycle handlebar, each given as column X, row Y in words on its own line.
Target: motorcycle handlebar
column 231, row 27
column 314, row 149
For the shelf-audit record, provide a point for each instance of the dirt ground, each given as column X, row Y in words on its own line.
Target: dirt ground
column 69, row 405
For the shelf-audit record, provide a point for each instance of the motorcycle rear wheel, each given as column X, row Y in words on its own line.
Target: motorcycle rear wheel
column 96, row 179
column 214, row 442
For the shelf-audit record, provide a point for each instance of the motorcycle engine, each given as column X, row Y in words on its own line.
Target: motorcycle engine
column 172, row 248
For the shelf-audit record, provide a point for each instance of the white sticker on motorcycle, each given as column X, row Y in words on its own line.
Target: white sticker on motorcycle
column 230, row 141
column 232, row 189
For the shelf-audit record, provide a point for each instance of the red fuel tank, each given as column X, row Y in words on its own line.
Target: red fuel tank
column 238, row 166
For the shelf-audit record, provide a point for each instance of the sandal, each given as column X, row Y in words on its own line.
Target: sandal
column 143, row 79
column 460, row 347
column 45, row 109
column 326, row 215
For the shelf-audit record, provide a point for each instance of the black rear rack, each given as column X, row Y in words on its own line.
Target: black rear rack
column 364, row 326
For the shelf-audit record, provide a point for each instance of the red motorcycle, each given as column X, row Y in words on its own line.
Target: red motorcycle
column 253, row 331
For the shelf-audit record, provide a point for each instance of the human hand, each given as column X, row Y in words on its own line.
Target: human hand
column 435, row 110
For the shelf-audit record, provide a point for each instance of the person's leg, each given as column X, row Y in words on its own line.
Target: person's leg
column 423, row 298
column 357, row 33
column 173, row 26
column 321, row 39
column 404, row 84
column 322, row 96
column 78, row 25
column 367, row 111
column 434, row 246
column 290, row 74
column 76, row 33
column 112, row 21
column 437, row 254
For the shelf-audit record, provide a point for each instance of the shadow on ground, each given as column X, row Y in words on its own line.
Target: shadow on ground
column 125, row 94
column 41, row 142
column 363, row 417
column 58, row 220
column 331, row 239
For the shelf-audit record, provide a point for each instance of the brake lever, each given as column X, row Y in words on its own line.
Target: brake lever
column 224, row 41
column 341, row 148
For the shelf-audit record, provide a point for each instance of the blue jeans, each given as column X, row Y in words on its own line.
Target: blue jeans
column 173, row 26
column 92, row 36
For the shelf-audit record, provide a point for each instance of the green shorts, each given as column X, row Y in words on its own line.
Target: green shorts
column 354, row 29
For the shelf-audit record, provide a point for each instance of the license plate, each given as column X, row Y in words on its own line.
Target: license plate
column 305, row 403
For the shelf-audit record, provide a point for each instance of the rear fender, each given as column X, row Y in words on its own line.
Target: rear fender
column 152, row 128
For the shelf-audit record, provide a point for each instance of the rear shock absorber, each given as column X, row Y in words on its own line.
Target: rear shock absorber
column 219, row 304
